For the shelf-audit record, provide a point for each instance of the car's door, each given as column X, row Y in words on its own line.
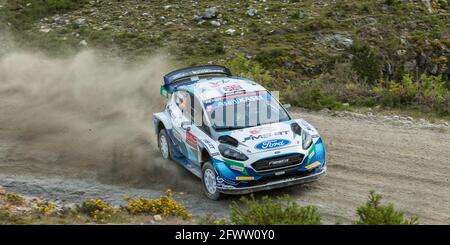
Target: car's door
column 178, row 110
column 192, row 129
column 199, row 133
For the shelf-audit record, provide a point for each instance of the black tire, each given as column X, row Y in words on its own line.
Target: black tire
column 208, row 168
column 163, row 136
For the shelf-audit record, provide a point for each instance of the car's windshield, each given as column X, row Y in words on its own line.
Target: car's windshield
column 244, row 110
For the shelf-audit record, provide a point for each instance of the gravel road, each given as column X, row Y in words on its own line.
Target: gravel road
column 407, row 162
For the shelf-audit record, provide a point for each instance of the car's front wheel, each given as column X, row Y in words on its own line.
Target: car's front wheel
column 163, row 143
column 209, row 182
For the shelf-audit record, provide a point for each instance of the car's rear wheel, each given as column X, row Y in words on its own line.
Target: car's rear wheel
column 209, row 182
column 163, row 143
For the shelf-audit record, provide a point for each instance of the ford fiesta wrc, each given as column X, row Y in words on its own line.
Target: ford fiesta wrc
column 234, row 134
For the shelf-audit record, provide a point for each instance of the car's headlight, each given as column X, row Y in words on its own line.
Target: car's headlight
column 306, row 139
column 231, row 153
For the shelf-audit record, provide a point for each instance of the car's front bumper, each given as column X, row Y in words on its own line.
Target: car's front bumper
column 289, row 181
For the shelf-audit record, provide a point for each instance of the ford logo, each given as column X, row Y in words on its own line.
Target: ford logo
column 269, row 144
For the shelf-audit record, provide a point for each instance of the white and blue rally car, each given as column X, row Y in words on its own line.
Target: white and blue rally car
column 234, row 134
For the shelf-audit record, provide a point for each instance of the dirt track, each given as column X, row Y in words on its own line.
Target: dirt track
column 408, row 165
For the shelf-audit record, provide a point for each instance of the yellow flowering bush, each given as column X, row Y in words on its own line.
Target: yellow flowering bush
column 166, row 206
column 99, row 210
column 15, row 199
column 45, row 207
column 138, row 205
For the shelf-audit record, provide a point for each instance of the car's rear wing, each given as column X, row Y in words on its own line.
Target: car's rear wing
column 182, row 75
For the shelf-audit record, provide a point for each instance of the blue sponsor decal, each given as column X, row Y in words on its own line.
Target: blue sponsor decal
column 269, row 144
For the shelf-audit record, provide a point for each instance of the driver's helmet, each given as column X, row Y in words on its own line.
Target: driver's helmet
column 184, row 104
column 181, row 101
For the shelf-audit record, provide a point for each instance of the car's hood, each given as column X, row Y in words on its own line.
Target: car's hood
column 267, row 137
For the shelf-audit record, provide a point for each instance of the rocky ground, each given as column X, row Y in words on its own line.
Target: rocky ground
column 307, row 37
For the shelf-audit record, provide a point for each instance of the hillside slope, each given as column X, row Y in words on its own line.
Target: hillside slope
column 393, row 53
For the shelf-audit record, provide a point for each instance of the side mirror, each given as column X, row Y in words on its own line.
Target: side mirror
column 186, row 125
column 163, row 92
column 287, row 106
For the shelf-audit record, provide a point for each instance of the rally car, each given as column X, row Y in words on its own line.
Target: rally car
column 234, row 134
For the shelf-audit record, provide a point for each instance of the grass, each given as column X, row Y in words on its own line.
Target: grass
column 23, row 13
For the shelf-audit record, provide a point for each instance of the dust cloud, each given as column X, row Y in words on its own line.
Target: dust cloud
column 87, row 113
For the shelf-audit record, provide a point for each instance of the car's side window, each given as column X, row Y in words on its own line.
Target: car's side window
column 179, row 99
column 198, row 116
column 196, row 112
column 182, row 101
column 205, row 127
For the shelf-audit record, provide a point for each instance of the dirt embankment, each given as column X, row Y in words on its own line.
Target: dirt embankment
column 77, row 128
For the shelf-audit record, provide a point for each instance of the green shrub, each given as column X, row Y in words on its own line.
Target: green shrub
column 373, row 213
column 433, row 93
column 310, row 94
column 365, row 63
column 409, row 89
column 268, row 211
column 430, row 93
